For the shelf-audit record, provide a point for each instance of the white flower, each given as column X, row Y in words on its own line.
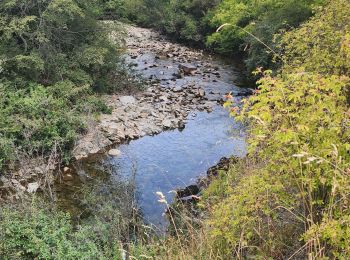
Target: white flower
column 161, row 197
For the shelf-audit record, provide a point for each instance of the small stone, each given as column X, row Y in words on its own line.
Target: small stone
column 95, row 150
column 188, row 69
column 163, row 98
column 127, row 100
column 201, row 92
column 167, row 123
column 114, row 152
column 177, row 89
column 33, row 187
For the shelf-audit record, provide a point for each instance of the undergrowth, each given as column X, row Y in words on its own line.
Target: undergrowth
column 288, row 199
column 294, row 201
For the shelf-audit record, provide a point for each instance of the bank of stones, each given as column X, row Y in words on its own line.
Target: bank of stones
column 147, row 113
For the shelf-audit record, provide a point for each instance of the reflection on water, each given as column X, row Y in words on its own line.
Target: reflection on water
column 173, row 159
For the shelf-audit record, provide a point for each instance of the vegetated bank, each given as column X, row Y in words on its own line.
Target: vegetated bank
column 288, row 199
column 55, row 61
column 251, row 25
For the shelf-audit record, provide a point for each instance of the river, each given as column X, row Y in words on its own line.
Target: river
column 173, row 158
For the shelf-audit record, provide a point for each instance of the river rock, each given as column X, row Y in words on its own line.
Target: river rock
column 163, row 98
column 188, row 69
column 167, row 123
column 247, row 92
column 114, row 152
column 201, row 92
column 188, row 191
column 177, row 89
column 127, row 100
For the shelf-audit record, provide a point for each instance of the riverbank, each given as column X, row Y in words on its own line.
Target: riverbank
column 286, row 198
column 167, row 136
column 180, row 81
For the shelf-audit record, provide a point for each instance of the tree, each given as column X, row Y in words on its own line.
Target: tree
column 54, row 54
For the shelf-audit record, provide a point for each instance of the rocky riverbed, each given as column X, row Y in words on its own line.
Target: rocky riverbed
column 166, row 137
column 147, row 113
column 184, row 89
column 181, row 80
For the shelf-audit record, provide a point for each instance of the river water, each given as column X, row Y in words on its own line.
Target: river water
column 176, row 158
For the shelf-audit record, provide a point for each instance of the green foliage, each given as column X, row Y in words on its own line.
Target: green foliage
column 41, row 231
column 183, row 20
column 294, row 185
column 113, row 9
column 322, row 44
column 54, row 55
column 38, row 118
column 253, row 22
column 45, row 235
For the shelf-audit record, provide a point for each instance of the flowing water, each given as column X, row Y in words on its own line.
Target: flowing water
column 176, row 158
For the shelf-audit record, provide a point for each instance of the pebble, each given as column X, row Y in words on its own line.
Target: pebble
column 114, row 152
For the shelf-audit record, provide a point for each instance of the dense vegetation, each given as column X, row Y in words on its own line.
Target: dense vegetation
column 54, row 55
column 293, row 186
column 37, row 229
column 182, row 20
column 251, row 26
column 289, row 198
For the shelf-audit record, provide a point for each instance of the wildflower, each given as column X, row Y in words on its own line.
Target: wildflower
column 234, row 109
column 161, row 197
column 228, row 96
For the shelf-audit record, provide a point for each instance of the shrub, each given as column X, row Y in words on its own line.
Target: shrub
column 299, row 144
column 44, row 234
column 54, row 55
column 263, row 19
column 40, row 230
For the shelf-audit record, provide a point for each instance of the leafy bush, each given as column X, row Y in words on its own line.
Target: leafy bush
column 183, row 20
column 54, row 55
column 39, row 230
column 45, row 235
column 294, row 184
column 252, row 23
